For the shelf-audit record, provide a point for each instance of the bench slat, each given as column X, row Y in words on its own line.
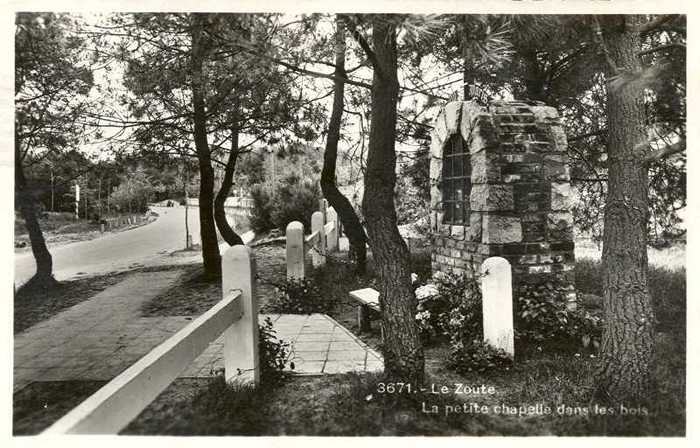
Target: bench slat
column 367, row 296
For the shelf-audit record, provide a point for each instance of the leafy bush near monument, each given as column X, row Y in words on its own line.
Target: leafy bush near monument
column 453, row 313
column 450, row 311
column 542, row 317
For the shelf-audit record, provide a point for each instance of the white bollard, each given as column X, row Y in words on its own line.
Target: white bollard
column 295, row 250
column 241, row 357
column 318, row 255
column 497, row 304
column 334, row 236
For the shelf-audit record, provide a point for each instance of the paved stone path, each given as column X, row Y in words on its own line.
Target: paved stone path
column 318, row 345
column 101, row 337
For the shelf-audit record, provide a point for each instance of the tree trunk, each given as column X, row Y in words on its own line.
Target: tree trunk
column 229, row 235
column 44, row 263
column 341, row 204
column 628, row 334
column 403, row 353
column 210, row 244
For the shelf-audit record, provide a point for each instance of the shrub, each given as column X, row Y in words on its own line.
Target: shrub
column 542, row 316
column 274, row 355
column 260, row 214
column 411, row 205
column 295, row 199
column 666, row 287
column 454, row 312
column 420, row 264
column 336, row 278
column 134, row 192
column 588, row 276
column 668, row 296
column 298, row 296
column 478, row 356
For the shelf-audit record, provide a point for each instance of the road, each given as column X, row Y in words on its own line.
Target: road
column 147, row 245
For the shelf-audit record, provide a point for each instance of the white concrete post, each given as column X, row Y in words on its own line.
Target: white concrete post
column 102, row 227
column 241, row 357
column 334, row 237
column 295, row 250
column 318, row 255
column 497, row 304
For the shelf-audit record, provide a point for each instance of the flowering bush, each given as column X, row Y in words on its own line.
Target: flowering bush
column 449, row 308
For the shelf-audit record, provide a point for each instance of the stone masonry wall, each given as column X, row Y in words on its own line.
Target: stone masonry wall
column 520, row 196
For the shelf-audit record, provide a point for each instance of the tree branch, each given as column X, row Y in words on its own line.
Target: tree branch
column 661, row 48
column 360, row 39
column 664, row 152
column 654, row 23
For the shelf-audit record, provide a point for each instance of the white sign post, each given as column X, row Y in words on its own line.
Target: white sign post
column 77, row 200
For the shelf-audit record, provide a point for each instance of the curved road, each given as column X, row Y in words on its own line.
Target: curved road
column 145, row 245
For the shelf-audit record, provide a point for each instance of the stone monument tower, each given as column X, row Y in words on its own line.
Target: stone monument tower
column 500, row 187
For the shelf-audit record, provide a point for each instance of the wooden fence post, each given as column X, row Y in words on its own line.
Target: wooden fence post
column 241, row 357
column 295, row 250
column 318, row 255
column 497, row 304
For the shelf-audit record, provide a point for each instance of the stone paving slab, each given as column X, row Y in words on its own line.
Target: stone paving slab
column 318, row 344
column 99, row 338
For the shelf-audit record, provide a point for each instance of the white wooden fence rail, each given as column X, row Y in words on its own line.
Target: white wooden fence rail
column 323, row 239
column 113, row 406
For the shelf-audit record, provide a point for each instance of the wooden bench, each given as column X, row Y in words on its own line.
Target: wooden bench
column 368, row 300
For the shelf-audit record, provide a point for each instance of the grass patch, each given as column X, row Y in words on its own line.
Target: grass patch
column 202, row 407
column 667, row 288
column 194, row 293
column 38, row 405
column 352, row 405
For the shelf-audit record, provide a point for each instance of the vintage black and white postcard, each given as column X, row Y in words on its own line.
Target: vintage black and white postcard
column 456, row 219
